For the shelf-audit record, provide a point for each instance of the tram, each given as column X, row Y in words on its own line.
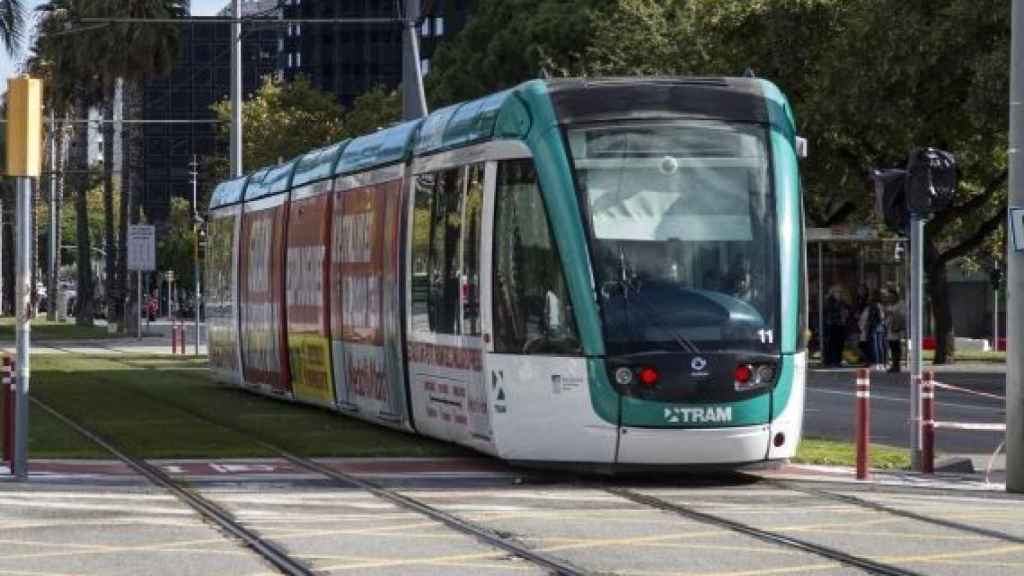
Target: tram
column 575, row 271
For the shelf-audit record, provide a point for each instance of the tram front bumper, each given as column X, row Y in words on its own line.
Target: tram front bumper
column 680, row 446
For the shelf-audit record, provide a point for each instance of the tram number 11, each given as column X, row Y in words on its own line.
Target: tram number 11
column 767, row 336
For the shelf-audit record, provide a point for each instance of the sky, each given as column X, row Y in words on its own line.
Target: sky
column 9, row 66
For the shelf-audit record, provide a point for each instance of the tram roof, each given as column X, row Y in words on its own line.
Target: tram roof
column 254, row 187
column 461, row 124
column 228, row 192
column 318, row 164
column 275, row 180
column 383, row 147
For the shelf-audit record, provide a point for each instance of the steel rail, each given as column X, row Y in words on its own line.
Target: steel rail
column 207, row 509
column 482, row 533
column 862, row 563
column 861, row 502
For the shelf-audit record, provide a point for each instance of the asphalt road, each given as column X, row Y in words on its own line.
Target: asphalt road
column 830, row 407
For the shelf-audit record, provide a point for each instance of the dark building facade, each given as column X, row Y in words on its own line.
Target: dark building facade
column 344, row 59
column 200, row 78
column 349, row 59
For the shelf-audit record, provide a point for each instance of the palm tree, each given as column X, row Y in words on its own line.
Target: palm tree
column 154, row 50
column 12, row 24
column 72, row 88
column 99, row 58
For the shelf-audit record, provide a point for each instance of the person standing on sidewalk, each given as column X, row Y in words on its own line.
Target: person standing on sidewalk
column 896, row 314
column 835, row 328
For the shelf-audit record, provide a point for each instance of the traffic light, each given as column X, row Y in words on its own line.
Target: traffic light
column 927, row 186
column 890, row 199
column 931, row 181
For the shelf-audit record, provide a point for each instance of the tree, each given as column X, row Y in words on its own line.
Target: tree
column 154, row 47
column 378, row 108
column 175, row 246
column 70, row 91
column 866, row 91
column 282, row 120
column 511, row 41
column 12, row 24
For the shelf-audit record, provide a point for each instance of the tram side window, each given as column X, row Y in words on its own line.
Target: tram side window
column 437, row 226
column 532, row 312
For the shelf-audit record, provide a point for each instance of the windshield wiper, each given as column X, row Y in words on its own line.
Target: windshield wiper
column 627, row 283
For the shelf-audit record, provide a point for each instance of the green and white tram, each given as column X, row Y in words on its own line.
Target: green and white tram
column 604, row 272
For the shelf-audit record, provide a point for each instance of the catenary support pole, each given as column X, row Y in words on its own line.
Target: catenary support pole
column 23, row 309
column 236, row 89
column 1015, row 267
column 197, row 306
column 414, row 100
column 52, row 297
column 916, row 333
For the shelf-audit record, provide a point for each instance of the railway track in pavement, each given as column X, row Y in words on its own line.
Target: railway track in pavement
column 273, row 553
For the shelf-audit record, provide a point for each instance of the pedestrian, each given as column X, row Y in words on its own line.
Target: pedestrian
column 835, row 328
column 864, row 334
column 896, row 315
column 877, row 331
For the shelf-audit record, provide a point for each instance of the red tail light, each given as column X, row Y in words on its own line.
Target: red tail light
column 647, row 376
column 743, row 374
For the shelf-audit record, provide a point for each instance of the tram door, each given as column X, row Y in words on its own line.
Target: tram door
column 444, row 331
column 536, row 376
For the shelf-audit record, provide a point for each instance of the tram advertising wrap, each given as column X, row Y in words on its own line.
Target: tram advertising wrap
column 261, row 274
column 307, row 267
column 366, row 378
column 601, row 273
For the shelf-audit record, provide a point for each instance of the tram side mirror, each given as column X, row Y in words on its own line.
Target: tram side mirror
column 801, row 147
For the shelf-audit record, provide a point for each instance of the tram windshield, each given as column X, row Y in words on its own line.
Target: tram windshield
column 683, row 235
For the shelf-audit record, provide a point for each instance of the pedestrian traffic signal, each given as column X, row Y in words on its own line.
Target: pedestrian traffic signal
column 931, row 181
column 890, row 199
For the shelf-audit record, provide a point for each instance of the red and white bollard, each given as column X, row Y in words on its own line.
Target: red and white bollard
column 7, row 389
column 863, row 424
column 928, row 423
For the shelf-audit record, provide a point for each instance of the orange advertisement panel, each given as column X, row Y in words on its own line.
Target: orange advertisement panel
column 262, row 322
column 367, row 374
column 307, row 267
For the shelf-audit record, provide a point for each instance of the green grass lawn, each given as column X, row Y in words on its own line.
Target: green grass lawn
column 833, row 453
column 43, row 329
column 145, row 409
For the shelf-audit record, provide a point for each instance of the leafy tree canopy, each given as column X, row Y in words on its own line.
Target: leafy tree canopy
column 283, row 120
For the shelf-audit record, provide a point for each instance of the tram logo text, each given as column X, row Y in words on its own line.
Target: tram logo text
column 712, row 415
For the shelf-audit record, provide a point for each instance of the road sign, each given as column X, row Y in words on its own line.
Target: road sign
column 141, row 248
column 1017, row 228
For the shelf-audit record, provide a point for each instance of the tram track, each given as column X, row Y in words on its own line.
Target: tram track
column 266, row 549
column 206, row 508
column 860, row 562
column 877, row 507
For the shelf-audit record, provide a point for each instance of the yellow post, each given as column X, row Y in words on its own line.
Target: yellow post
column 24, row 126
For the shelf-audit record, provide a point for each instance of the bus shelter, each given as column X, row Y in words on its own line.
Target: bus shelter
column 859, row 262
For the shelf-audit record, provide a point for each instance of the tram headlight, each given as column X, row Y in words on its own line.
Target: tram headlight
column 624, row 376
